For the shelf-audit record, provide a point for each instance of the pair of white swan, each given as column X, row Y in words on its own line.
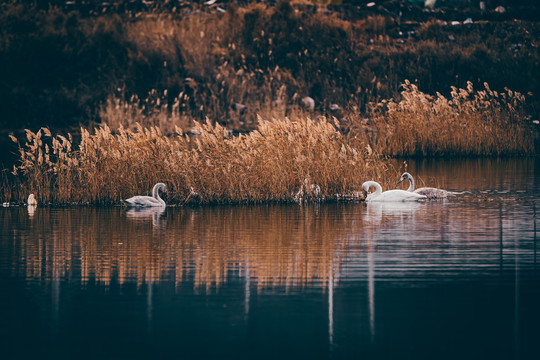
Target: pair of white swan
column 401, row 195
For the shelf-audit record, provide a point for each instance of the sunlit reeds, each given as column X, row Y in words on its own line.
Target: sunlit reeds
column 269, row 164
column 470, row 122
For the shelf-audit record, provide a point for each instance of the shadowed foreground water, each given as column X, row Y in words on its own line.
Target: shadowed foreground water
column 443, row 279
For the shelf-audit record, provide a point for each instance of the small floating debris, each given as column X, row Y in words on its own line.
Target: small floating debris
column 354, row 196
column 194, row 198
column 430, row 4
column 308, row 191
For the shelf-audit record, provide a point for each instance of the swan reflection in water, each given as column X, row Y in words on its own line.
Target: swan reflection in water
column 376, row 211
column 31, row 210
column 149, row 213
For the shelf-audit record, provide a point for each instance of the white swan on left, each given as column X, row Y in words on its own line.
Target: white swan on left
column 31, row 200
column 430, row 192
column 148, row 201
column 389, row 195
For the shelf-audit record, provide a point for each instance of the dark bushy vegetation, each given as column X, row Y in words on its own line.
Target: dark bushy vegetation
column 61, row 62
column 150, row 73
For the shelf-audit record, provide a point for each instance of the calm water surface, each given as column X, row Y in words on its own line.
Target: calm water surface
column 455, row 279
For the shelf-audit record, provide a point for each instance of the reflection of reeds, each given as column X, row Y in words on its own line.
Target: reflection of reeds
column 269, row 164
column 286, row 246
column 273, row 246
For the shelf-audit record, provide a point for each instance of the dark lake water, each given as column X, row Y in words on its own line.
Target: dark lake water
column 454, row 279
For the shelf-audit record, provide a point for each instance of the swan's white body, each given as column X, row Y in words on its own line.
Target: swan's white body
column 31, row 200
column 389, row 195
column 430, row 192
column 148, row 201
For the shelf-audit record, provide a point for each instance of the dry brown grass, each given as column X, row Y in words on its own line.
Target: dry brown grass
column 470, row 122
column 269, row 164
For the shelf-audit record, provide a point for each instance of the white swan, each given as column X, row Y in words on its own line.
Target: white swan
column 148, row 201
column 389, row 195
column 31, row 200
column 430, row 192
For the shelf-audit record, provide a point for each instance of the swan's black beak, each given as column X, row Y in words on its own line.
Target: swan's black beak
column 365, row 193
column 401, row 179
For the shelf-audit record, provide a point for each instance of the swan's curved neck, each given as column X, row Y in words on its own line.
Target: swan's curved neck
column 378, row 188
column 411, row 183
column 155, row 192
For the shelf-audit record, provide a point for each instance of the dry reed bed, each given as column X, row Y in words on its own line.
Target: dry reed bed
column 269, row 164
column 470, row 122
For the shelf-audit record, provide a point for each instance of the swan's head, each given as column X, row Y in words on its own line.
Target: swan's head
column 364, row 193
column 159, row 187
column 365, row 188
column 404, row 176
